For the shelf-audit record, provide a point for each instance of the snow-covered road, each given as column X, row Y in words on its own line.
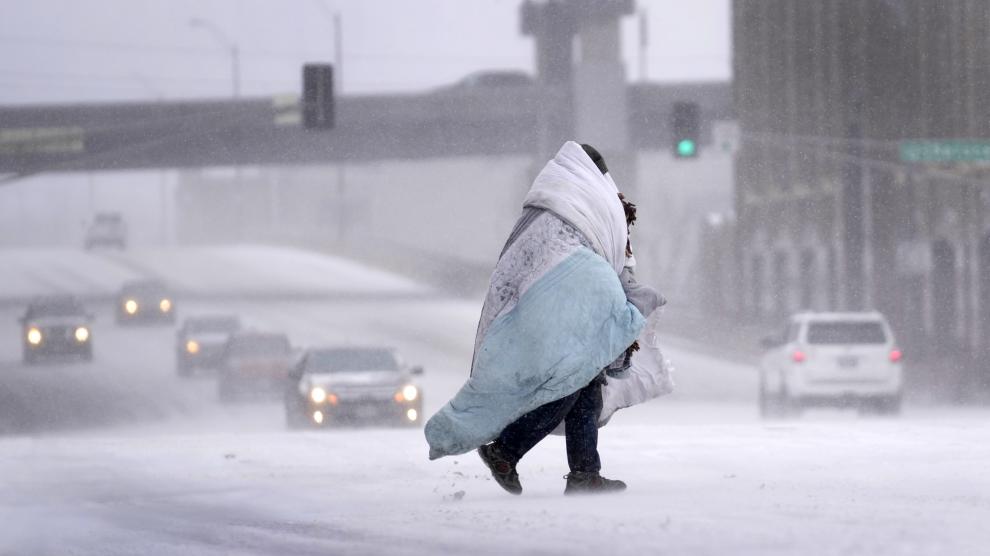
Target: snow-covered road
column 832, row 486
column 121, row 456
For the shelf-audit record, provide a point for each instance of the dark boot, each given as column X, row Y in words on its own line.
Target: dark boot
column 503, row 469
column 591, row 482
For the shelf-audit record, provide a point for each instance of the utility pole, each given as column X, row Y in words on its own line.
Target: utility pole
column 338, row 86
column 235, row 60
column 854, row 201
column 338, row 51
column 338, row 56
column 644, row 43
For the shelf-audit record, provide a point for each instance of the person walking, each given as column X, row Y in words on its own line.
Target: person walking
column 558, row 312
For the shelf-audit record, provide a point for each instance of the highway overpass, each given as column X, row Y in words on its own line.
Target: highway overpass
column 196, row 133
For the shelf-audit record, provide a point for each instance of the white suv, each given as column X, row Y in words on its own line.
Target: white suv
column 832, row 359
column 108, row 229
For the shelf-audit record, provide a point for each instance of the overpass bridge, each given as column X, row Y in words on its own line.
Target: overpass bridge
column 266, row 131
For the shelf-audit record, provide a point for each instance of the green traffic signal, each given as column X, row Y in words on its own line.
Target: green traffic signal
column 686, row 147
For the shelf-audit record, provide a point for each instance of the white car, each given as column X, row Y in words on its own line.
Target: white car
column 108, row 229
column 831, row 359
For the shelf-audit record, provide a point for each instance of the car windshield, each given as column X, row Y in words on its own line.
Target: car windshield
column 55, row 307
column 847, row 332
column 261, row 346
column 107, row 225
column 351, row 360
column 226, row 325
column 145, row 288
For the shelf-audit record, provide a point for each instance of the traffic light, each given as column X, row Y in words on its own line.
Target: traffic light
column 317, row 98
column 685, row 125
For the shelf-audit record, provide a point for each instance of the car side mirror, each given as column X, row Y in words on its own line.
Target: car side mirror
column 417, row 370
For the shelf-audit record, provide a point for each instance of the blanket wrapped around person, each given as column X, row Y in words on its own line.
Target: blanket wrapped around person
column 555, row 314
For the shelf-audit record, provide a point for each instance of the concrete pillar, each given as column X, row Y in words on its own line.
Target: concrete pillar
column 599, row 84
column 601, row 114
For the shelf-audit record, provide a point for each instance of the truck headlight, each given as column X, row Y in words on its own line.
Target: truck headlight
column 165, row 305
column 82, row 334
column 318, row 395
column 410, row 393
column 130, row 306
column 34, row 336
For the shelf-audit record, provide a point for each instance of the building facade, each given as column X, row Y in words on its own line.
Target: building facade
column 831, row 212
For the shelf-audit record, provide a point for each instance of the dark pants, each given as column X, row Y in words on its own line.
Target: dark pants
column 579, row 412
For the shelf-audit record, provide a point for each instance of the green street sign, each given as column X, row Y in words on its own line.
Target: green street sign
column 945, row 150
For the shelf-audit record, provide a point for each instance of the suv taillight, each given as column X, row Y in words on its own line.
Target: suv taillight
column 896, row 356
column 798, row 356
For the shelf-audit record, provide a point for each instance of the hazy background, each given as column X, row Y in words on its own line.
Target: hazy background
column 100, row 50
column 105, row 50
column 386, row 233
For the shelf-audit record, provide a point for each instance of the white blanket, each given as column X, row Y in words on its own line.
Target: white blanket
column 573, row 188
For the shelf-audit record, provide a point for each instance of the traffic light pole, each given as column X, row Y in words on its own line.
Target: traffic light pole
column 852, row 210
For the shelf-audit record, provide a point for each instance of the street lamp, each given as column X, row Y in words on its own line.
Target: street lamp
column 225, row 42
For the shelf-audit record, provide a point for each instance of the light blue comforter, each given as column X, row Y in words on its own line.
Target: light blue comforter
column 567, row 326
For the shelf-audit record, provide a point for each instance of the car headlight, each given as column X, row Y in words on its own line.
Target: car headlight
column 410, row 393
column 130, row 306
column 318, row 395
column 165, row 305
column 34, row 336
column 82, row 334
column 192, row 346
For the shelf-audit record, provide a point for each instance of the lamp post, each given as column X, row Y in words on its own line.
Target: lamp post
column 333, row 17
column 226, row 43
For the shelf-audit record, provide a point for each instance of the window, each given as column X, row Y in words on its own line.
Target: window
column 350, row 360
column 793, row 331
column 850, row 332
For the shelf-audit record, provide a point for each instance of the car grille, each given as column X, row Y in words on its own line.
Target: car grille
column 368, row 394
column 58, row 337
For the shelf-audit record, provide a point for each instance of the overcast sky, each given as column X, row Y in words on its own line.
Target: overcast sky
column 100, row 50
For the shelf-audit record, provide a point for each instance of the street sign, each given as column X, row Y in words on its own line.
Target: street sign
column 40, row 140
column 287, row 109
column 945, row 150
